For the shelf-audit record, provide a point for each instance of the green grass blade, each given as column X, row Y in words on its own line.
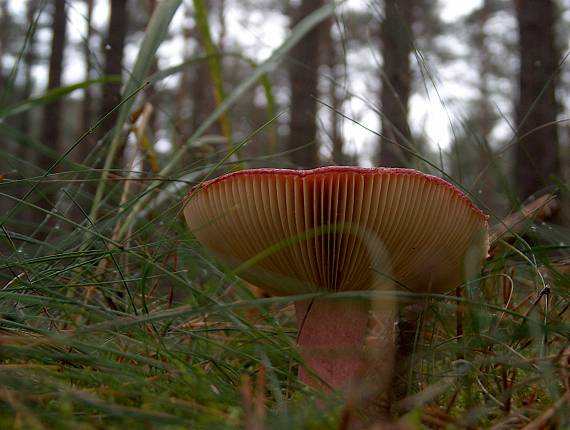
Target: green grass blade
column 155, row 34
column 52, row 95
column 214, row 63
column 306, row 25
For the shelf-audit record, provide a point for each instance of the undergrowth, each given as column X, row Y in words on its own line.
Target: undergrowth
column 113, row 316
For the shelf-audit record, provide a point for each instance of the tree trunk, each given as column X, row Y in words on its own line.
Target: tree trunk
column 151, row 94
column 537, row 151
column 26, row 120
column 201, row 84
column 396, row 40
column 51, row 127
column 485, row 109
column 4, row 26
column 87, row 106
column 114, row 48
column 181, row 101
column 5, row 204
column 151, row 97
column 303, row 78
column 335, row 63
column 29, row 59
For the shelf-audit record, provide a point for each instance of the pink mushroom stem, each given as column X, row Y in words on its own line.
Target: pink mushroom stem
column 331, row 340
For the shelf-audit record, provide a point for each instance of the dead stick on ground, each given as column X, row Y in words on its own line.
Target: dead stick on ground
column 543, row 418
column 542, row 209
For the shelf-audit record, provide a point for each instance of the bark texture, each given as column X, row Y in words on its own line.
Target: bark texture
column 4, row 26
column 335, row 61
column 114, row 52
column 485, row 110
column 396, row 41
column 51, row 126
column 303, row 77
column 537, row 150
column 86, row 108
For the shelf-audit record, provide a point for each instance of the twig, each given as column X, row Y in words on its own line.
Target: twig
column 540, row 421
column 253, row 404
column 543, row 208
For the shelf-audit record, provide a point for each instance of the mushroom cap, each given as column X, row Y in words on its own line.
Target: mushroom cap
column 339, row 228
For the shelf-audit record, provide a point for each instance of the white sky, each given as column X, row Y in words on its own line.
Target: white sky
column 259, row 32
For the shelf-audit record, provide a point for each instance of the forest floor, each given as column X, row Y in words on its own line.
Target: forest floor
column 113, row 316
column 100, row 330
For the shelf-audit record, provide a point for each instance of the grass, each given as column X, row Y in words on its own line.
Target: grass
column 113, row 316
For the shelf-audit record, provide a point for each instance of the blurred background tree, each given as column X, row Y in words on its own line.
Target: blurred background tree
column 397, row 45
column 537, row 158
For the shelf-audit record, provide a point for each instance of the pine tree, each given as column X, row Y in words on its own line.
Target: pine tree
column 537, row 150
column 396, row 39
column 303, row 78
column 51, row 127
column 114, row 52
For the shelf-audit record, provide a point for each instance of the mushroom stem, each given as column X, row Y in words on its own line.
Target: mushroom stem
column 331, row 340
column 346, row 347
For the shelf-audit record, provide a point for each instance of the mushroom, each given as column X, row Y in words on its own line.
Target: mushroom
column 337, row 229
